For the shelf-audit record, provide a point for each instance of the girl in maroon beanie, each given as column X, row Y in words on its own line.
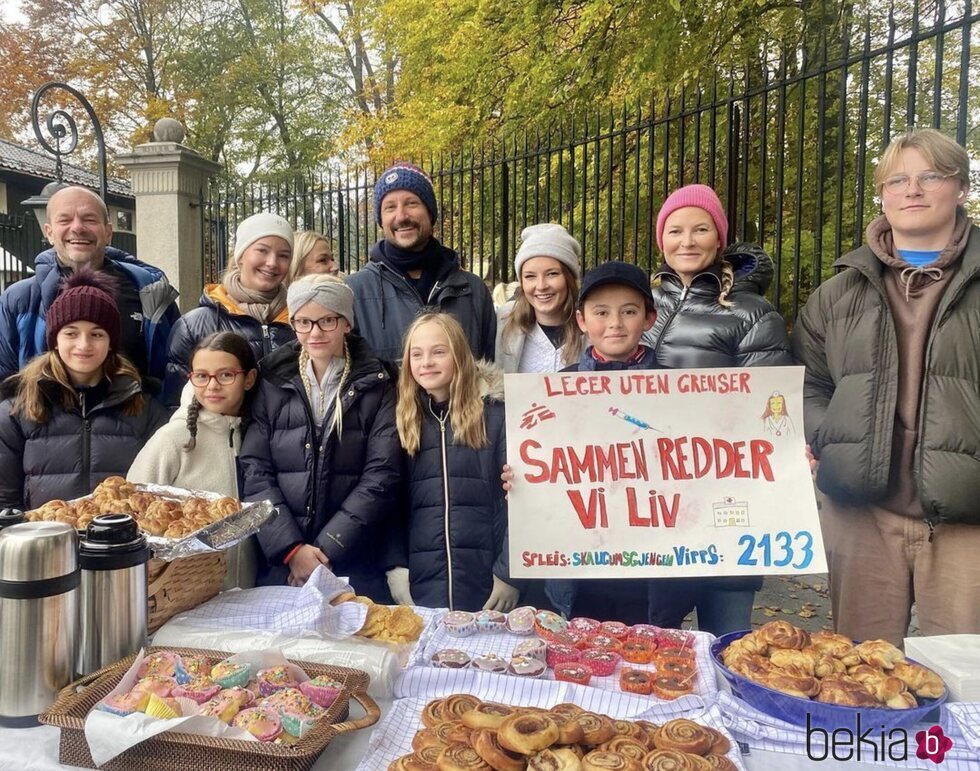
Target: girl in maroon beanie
column 75, row 414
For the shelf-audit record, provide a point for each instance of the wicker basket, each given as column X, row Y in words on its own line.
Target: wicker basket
column 181, row 585
column 173, row 751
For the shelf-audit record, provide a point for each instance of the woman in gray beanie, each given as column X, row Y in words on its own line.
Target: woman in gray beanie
column 537, row 331
column 323, row 447
column 250, row 300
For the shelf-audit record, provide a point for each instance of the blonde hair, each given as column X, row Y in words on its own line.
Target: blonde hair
column 31, row 403
column 465, row 401
column 522, row 318
column 303, row 244
column 338, row 412
column 727, row 282
column 943, row 154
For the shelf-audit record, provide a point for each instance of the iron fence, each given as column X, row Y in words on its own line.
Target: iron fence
column 21, row 240
column 789, row 142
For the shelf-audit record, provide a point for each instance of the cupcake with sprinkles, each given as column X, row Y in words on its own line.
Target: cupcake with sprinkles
column 229, row 674
column 322, row 690
column 199, row 689
column 263, row 724
column 275, row 679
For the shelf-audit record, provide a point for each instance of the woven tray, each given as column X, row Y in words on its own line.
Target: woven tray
column 173, row 751
column 181, row 585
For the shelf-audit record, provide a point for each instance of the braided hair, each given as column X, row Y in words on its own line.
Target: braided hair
column 320, row 409
column 237, row 346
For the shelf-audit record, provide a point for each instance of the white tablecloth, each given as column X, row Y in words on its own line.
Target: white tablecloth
column 36, row 749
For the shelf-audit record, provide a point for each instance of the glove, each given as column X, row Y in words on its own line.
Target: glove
column 503, row 597
column 399, row 587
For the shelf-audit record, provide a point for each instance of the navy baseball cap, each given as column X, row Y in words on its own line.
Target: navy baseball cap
column 616, row 272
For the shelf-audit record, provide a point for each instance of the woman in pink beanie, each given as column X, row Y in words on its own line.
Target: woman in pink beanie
column 711, row 312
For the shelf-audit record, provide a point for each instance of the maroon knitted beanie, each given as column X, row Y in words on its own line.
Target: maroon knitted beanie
column 85, row 296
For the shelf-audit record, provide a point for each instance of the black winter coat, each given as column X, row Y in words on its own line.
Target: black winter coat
column 694, row 331
column 457, row 514
column 336, row 494
column 72, row 452
column 218, row 313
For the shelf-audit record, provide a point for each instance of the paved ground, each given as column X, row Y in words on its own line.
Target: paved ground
column 801, row 600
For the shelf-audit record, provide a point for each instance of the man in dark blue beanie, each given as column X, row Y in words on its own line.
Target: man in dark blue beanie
column 409, row 270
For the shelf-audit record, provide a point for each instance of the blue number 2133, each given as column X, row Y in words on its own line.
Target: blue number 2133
column 782, row 545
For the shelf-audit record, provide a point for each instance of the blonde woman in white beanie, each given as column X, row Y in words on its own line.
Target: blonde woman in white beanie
column 537, row 331
column 250, row 300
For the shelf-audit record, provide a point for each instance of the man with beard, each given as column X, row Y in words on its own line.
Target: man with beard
column 410, row 270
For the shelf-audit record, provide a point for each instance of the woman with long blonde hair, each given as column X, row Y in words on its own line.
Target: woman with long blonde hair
column 450, row 419
column 537, row 331
column 75, row 414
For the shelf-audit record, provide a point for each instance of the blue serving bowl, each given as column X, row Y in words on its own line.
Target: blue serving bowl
column 794, row 709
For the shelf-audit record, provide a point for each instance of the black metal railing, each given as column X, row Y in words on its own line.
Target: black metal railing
column 21, row 240
column 789, row 142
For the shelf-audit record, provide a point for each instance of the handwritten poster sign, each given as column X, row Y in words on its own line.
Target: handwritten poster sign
column 660, row 473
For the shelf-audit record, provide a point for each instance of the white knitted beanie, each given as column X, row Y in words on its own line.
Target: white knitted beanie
column 548, row 240
column 259, row 226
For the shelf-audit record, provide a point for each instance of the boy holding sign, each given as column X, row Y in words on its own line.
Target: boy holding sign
column 615, row 308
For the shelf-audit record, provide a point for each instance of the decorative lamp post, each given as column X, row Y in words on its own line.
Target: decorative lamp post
column 62, row 129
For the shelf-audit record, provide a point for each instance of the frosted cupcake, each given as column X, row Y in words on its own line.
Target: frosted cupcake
column 296, row 712
column 159, row 663
column 321, row 690
column 189, row 667
column 263, row 724
column 158, row 684
column 124, row 703
column 459, row 623
column 275, row 679
column 228, row 674
column 521, row 620
column 165, row 709
column 200, row 689
column 222, row 707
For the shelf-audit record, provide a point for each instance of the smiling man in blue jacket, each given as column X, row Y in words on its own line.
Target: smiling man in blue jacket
column 79, row 230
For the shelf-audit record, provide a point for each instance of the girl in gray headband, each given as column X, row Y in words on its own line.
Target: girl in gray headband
column 323, row 446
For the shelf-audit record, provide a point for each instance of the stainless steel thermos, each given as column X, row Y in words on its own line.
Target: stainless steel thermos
column 39, row 579
column 112, row 599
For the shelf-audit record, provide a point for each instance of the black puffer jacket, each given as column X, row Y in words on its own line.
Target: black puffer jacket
column 218, row 313
column 457, row 515
column 72, row 452
column 336, row 494
column 693, row 330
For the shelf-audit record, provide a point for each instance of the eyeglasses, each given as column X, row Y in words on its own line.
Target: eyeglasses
column 224, row 377
column 325, row 323
column 927, row 181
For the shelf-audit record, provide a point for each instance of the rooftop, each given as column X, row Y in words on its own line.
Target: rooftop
column 38, row 164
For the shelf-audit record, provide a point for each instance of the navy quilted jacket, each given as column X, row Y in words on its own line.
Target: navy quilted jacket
column 72, row 452
column 336, row 494
column 457, row 515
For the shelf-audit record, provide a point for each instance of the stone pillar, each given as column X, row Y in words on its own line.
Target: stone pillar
column 168, row 179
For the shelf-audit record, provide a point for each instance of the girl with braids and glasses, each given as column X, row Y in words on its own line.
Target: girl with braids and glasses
column 711, row 312
column 198, row 449
column 322, row 445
